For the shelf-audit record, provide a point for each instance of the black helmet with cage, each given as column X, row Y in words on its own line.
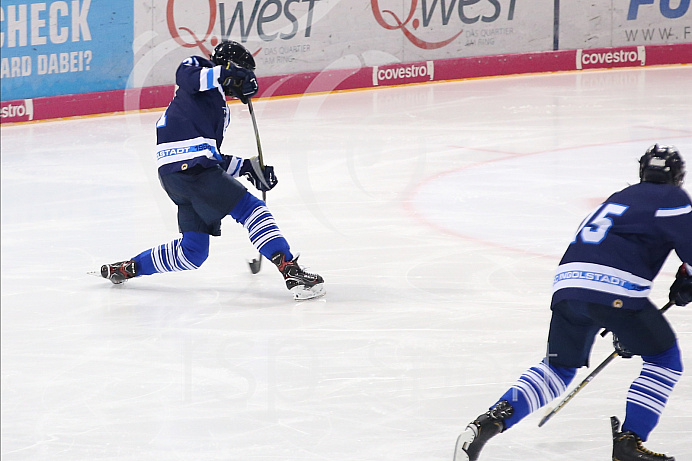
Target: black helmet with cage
column 230, row 51
column 662, row 165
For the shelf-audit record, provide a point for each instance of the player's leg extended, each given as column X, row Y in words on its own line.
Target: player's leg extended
column 186, row 253
column 569, row 344
column 538, row 386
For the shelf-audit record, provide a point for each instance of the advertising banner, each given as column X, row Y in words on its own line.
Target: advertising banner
column 58, row 47
column 363, row 77
column 290, row 36
column 75, row 57
column 614, row 23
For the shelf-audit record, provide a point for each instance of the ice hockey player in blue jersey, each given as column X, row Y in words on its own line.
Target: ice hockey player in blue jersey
column 203, row 183
column 603, row 281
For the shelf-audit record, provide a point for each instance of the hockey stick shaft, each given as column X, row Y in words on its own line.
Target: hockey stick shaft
column 581, row 385
column 257, row 138
column 588, row 379
column 256, row 264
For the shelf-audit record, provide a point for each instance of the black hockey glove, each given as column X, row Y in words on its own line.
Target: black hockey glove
column 263, row 179
column 681, row 289
column 620, row 349
column 238, row 82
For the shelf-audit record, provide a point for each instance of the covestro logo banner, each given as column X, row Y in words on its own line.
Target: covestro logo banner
column 623, row 57
column 17, row 111
column 403, row 73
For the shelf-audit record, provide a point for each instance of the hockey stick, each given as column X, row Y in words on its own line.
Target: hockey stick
column 588, row 379
column 256, row 264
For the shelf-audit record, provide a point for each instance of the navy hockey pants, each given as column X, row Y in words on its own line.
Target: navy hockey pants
column 204, row 197
column 574, row 326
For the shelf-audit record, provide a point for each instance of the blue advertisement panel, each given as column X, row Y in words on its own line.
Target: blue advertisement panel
column 59, row 47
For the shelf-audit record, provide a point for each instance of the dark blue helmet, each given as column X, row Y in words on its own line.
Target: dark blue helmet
column 662, row 165
column 230, row 51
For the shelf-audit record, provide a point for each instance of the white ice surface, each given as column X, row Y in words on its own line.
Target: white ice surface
column 436, row 213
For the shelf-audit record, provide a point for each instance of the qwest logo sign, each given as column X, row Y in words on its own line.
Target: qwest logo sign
column 612, row 58
column 448, row 14
column 240, row 19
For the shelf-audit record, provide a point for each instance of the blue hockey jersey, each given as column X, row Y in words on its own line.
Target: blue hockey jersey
column 191, row 130
column 620, row 247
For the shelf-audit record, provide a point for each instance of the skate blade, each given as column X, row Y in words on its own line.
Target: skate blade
column 300, row 293
column 98, row 274
column 463, row 441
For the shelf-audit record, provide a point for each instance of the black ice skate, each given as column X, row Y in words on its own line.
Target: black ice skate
column 486, row 426
column 627, row 446
column 119, row 272
column 302, row 284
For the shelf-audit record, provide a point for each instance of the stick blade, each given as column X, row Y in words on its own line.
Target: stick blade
column 547, row 416
column 255, row 265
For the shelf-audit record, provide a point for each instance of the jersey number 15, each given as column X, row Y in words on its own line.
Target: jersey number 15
column 596, row 226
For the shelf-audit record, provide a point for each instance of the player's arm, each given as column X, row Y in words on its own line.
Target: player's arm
column 232, row 164
column 676, row 222
column 262, row 178
column 193, row 77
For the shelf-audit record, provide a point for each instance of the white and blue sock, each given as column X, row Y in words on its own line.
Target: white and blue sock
column 186, row 253
column 649, row 393
column 537, row 387
column 262, row 229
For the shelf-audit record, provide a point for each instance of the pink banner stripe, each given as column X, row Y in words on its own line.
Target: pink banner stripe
column 366, row 77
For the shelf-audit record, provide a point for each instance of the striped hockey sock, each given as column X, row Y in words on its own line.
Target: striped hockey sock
column 265, row 234
column 262, row 229
column 186, row 253
column 649, row 393
column 534, row 389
